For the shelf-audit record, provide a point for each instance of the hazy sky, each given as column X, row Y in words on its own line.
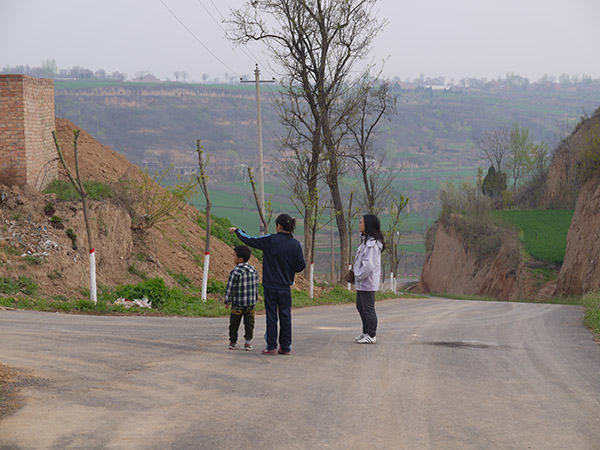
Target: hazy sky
column 453, row 38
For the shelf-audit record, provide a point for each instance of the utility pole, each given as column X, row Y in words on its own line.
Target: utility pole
column 261, row 179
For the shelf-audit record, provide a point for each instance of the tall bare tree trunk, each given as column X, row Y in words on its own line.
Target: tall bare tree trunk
column 78, row 185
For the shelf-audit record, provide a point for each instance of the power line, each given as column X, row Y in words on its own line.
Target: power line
column 196, row 38
column 250, row 55
column 215, row 6
column 223, row 29
column 212, row 17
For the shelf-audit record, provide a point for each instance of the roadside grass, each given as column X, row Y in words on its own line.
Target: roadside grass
column 177, row 301
column 543, row 232
column 591, row 302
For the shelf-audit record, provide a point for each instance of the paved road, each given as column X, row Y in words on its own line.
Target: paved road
column 445, row 374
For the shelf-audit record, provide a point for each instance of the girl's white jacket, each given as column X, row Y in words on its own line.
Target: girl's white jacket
column 367, row 265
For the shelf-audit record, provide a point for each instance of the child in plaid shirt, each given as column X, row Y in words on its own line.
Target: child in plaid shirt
column 242, row 294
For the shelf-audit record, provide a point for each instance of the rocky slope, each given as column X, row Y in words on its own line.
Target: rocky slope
column 30, row 245
column 452, row 268
column 562, row 184
column 580, row 272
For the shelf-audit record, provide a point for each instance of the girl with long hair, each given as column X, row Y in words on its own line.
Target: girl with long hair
column 367, row 273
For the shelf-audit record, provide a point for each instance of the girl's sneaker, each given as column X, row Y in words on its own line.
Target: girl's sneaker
column 234, row 346
column 247, row 347
column 367, row 340
column 359, row 337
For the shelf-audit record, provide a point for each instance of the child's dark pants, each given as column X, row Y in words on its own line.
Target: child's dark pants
column 235, row 317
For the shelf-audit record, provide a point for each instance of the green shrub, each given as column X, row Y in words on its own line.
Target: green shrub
column 214, row 286
column 494, row 183
column 54, row 275
column 11, row 251
column 49, row 209
column 155, row 204
column 466, row 198
column 65, row 191
column 133, row 269
column 23, row 284
column 27, row 285
column 466, row 210
column 33, row 260
column 480, row 234
column 73, row 236
column 183, row 280
column 154, row 289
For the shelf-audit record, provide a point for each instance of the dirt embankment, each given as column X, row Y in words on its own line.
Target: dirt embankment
column 580, row 272
column 32, row 246
column 563, row 184
column 452, row 268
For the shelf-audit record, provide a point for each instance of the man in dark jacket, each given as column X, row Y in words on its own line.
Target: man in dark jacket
column 282, row 259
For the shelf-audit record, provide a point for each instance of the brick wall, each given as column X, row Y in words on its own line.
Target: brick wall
column 27, row 154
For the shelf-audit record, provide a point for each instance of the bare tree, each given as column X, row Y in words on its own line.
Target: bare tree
column 375, row 104
column 495, row 145
column 265, row 220
column 78, row 186
column 302, row 179
column 393, row 234
column 155, row 205
column 520, row 146
column 317, row 44
column 202, row 180
column 538, row 160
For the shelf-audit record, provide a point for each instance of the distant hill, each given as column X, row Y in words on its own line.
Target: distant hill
column 163, row 121
column 431, row 136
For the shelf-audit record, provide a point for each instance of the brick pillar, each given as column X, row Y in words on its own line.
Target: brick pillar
column 27, row 154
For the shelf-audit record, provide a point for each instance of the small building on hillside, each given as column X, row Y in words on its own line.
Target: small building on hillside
column 27, row 152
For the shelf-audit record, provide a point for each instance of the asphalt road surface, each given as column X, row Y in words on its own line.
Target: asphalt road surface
column 444, row 374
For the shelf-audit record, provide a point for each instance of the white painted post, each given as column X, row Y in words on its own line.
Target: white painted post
column 205, row 275
column 93, row 294
column 311, row 280
column 349, row 286
column 392, row 287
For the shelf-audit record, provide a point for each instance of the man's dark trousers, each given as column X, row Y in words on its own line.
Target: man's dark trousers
column 279, row 302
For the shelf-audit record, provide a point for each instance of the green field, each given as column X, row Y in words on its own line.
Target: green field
column 235, row 202
column 413, row 248
column 543, row 232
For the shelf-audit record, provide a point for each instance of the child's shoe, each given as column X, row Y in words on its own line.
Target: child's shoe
column 266, row 351
column 283, row 352
column 234, row 346
column 247, row 346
